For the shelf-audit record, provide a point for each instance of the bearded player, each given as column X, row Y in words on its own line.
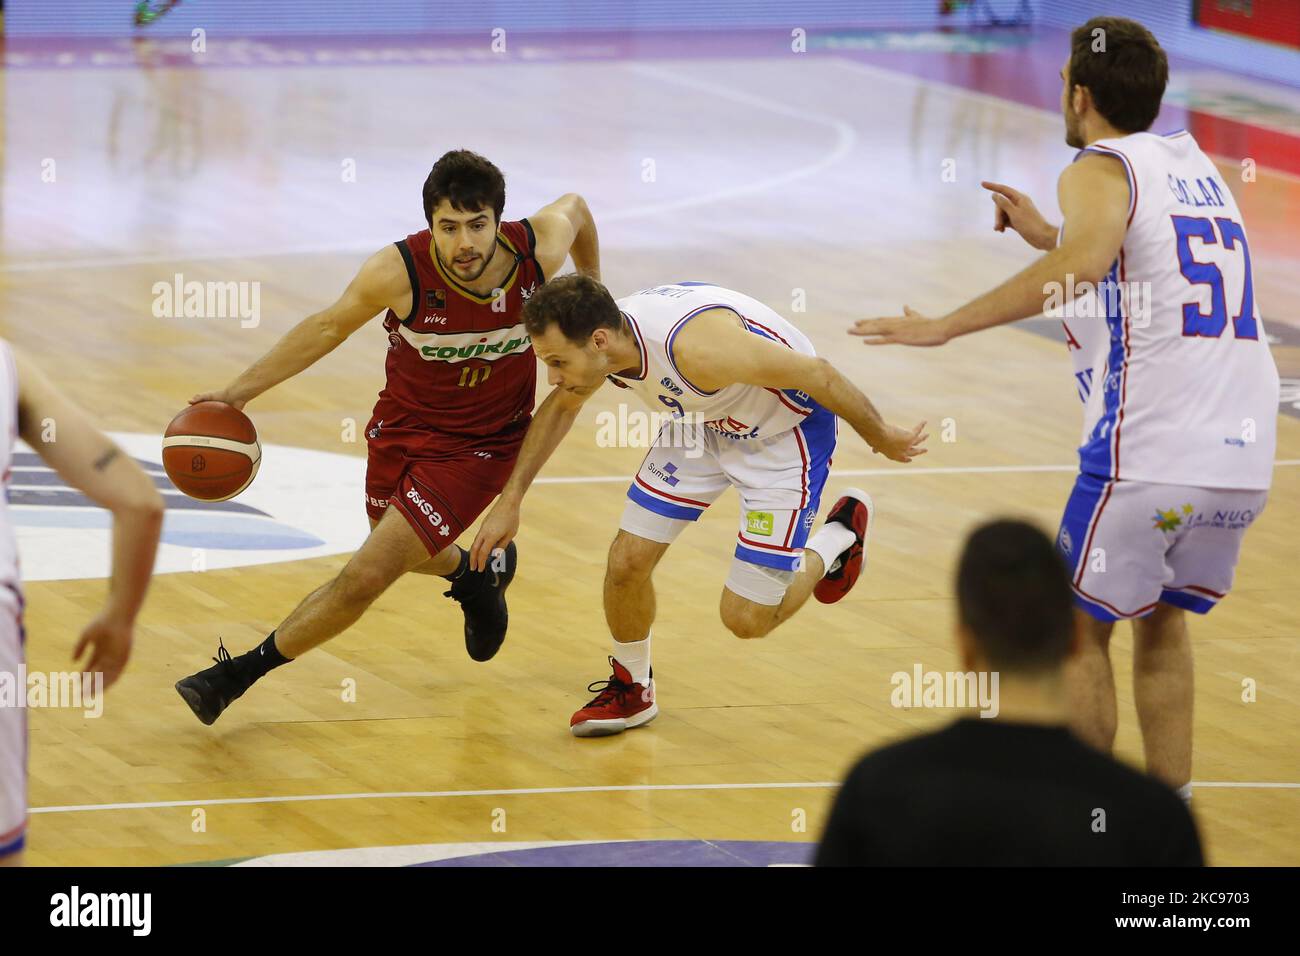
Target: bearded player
column 753, row 407
column 1180, row 423
column 448, row 425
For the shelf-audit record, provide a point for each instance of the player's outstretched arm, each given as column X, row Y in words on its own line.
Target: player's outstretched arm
column 566, row 228
column 1094, row 195
column 381, row 283
column 713, row 351
column 89, row 461
column 555, row 416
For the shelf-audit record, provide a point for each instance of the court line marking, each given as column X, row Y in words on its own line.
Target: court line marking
column 842, row 128
column 846, row 134
column 878, row 472
column 533, row 791
column 619, row 479
column 882, row 72
column 846, row 138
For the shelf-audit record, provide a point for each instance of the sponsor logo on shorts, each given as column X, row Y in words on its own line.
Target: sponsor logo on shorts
column 1171, row 519
column 1230, row 519
column 426, row 509
column 760, row 522
column 667, row 474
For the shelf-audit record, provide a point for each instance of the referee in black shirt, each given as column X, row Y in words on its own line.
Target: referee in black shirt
column 1018, row 788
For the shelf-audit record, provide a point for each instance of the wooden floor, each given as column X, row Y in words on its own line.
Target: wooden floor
column 235, row 174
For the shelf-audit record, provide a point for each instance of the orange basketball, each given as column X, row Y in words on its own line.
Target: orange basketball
column 210, row 451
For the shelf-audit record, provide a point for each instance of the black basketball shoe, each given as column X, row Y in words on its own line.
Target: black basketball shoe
column 482, row 596
column 211, row 691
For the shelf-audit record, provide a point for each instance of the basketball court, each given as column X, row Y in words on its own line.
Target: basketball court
column 836, row 182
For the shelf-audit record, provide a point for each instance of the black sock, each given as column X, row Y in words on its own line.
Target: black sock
column 460, row 568
column 262, row 659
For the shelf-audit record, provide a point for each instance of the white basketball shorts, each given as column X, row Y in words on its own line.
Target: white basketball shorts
column 779, row 479
column 1131, row 544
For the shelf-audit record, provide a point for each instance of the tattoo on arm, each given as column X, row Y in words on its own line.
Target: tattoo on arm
column 106, row 459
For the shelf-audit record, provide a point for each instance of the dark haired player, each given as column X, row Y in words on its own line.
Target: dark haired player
column 445, row 432
column 752, row 408
column 1180, row 423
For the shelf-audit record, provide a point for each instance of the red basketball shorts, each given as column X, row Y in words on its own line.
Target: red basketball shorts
column 441, row 483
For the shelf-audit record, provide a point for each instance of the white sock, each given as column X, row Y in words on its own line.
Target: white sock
column 830, row 541
column 1185, row 791
column 635, row 656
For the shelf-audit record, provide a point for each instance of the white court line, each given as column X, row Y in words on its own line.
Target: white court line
column 846, row 139
column 882, row 72
column 531, row 791
column 879, row 472
column 835, row 472
column 846, row 133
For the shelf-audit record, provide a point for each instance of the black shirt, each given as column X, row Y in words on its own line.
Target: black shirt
column 990, row 793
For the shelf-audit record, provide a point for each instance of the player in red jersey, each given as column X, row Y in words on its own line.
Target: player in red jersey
column 459, row 396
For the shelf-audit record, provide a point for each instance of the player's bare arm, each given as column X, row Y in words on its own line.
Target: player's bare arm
column 566, row 228
column 714, row 351
column 1094, row 196
column 1016, row 211
column 381, row 283
column 553, row 420
column 90, row 461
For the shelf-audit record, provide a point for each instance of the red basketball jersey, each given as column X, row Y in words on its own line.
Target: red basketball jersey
column 461, row 362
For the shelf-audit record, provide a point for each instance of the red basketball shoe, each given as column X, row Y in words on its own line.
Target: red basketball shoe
column 854, row 510
column 619, row 705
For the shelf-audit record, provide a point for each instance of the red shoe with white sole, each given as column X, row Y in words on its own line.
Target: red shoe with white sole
column 620, row 704
column 854, row 510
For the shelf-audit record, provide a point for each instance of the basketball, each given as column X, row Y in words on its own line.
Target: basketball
column 210, row 451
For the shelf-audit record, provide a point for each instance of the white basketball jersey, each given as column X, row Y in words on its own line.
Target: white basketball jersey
column 738, row 411
column 10, row 582
column 1186, row 391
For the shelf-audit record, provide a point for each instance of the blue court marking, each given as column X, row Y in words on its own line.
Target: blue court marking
column 186, row 529
column 644, row 853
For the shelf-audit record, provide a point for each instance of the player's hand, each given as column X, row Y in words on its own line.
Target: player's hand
column 497, row 530
column 109, row 641
column 911, row 328
column 899, row 444
column 1015, row 209
column 220, row 396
